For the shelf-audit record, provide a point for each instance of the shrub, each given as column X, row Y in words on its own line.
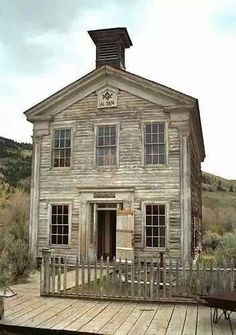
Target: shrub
column 14, row 237
column 211, row 241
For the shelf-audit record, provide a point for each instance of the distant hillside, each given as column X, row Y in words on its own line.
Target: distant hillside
column 219, row 203
column 15, row 161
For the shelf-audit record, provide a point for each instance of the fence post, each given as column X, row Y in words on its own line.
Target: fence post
column 46, row 260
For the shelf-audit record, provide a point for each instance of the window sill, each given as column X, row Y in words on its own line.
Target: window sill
column 53, row 246
column 158, row 250
column 107, row 168
column 61, row 168
column 157, row 166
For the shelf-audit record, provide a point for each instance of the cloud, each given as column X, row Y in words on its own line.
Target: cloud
column 33, row 32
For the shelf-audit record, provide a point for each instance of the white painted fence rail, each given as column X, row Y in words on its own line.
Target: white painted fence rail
column 137, row 279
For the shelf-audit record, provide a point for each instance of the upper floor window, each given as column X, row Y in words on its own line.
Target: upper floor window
column 59, row 229
column 155, row 226
column 155, row 143
column 106, row 145
column 62, row 148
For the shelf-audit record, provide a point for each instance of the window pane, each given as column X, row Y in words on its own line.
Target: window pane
column 155, row 209
column 162, row 242
column 155, row 232
column 148, row 138
column 161, row 127
column 161, row 138
column 148, row 159
column 154, row 127
column 65, row 239
column 54, row 219
column 54, row 229
column 54, row 239
column 162, row 209
column 154, row 138
column 161, row 220
column 148, row 128
column 161, row 159
column 54, row 209
column 107, row 130
column 149, row 149
column 155, row 242
column 148, row 209
column 162, row 232
column 148, row 231
column 155, row 220
column 149, row 242
column 148, row 220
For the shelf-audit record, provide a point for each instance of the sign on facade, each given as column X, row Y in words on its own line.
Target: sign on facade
column 107, row 97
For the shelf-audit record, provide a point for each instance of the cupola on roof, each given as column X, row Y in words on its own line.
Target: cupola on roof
column 110, row 46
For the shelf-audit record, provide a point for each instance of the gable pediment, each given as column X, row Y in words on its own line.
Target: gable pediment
column 107, row 81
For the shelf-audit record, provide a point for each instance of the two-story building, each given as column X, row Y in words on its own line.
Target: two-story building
column 116, row 163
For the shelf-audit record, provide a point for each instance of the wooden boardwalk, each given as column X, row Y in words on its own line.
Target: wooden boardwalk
column 28, row 309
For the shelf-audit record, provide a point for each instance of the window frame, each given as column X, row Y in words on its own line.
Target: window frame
column 62, row 127
column 117, row 127
column 166, row 144
column 166, row 204
column 59, row 203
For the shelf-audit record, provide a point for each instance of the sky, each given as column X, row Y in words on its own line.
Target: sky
column 188, row 45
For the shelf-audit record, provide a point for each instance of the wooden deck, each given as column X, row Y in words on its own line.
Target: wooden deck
column 28, row 309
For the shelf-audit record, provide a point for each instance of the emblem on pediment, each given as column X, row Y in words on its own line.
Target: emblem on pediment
column 107, row 97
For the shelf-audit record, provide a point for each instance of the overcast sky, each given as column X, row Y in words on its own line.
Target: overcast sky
column 189, row 45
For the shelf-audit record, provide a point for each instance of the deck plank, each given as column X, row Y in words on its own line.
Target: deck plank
column 177, row 320
column 75, row 314
column 221, row 327
column 161, row 320
column 190, row 321
column 131, row 320
column 144, row 321
column 21, row 314
column 37, row 309
column 74, row 307
column 204, row 321
column 114, row 323
column 82, row 320
column 101, row 319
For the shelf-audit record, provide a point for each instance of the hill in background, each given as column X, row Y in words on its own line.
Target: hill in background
column 219, row 204
column 219, row 194
column 15, row 161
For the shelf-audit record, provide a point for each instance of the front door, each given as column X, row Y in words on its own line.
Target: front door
column 106, row 231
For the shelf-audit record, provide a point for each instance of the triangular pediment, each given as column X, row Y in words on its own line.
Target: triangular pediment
column 102, row 80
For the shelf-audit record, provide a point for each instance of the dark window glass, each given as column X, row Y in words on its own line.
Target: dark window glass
column 62, row 148
column 59, row 231
column 155, row 143
column 106, row 146
column 155, row 226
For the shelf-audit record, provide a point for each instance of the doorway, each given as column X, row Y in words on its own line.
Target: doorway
column 106, row 231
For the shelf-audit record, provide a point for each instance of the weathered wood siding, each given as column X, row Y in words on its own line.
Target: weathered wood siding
column 156, row 183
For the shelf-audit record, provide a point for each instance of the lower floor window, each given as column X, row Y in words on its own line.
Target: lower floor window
column 59, row 229
column 155, row 226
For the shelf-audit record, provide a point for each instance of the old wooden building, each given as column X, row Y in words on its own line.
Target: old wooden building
column 116, row 163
